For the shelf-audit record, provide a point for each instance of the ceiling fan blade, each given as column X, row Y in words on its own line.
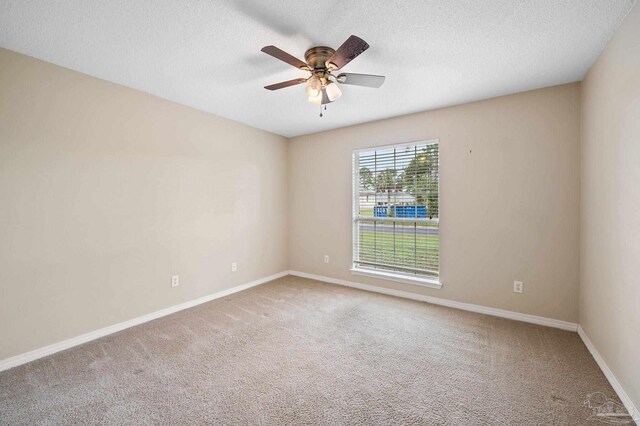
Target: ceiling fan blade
column 367, row 80
column 285, row 57
column 284, row 84
column 347, row 52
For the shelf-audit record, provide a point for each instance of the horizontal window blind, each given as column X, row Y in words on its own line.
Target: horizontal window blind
column 395, row 209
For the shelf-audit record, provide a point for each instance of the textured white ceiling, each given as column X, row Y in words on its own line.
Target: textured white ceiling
column 206, row 54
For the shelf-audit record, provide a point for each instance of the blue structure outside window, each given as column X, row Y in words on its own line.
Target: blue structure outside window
column 400, row 211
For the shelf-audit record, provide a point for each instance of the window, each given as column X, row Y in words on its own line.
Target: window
column 395, row 212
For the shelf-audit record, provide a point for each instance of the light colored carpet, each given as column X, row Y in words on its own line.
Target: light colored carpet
column 297, row 351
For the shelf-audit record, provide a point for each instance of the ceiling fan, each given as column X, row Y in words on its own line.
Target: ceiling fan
column 321, row 61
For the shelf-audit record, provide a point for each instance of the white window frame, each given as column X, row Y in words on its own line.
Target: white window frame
column 431, row 282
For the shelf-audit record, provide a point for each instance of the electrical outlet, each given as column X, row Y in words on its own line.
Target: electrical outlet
column 326, row 258
column 518, row 287
column 175, row 281
column 234, row 267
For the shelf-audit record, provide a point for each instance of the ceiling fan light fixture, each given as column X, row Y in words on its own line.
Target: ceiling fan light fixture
column 312, row 92
column 333, row 92
column 314, row 85
column 316, row 99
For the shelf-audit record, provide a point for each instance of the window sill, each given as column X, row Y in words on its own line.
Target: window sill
column 423, row 282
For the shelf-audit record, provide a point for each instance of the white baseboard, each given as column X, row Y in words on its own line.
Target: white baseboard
column 14, row 361
column 615, row 384
column 533, row 319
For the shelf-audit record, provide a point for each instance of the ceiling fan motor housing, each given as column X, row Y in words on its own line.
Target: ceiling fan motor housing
column 317, row 57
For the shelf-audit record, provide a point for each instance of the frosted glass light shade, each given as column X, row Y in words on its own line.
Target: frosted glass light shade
column 313, row 87
column 333, row 91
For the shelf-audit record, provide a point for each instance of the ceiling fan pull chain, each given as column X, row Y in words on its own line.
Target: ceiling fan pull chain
column 320, row 110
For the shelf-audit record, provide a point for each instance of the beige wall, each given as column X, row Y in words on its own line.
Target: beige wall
column 510, row 186
column 106, row 192
column 610, row 226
